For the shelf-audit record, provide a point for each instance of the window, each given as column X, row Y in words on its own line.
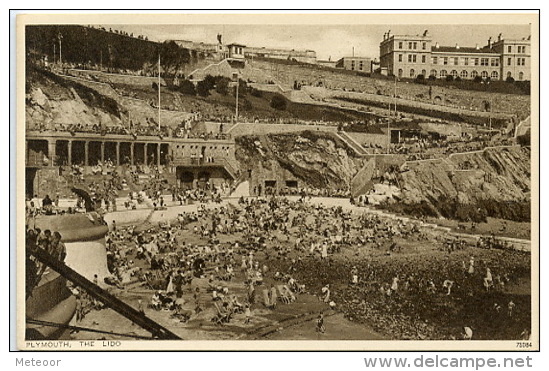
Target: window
column 494, row 75
column 410, row 45
column 509, row 49
column 409, row 58
column 509, row 74
column 400, row 44
column 521, row 76
column 434, row 60
column 521, row 61
column 465, row 61
column 424, row 45
column 454, row 73
column 400, row 72
column 509, row 61
column 456, row 61
column 443, row 73
column 494, row 62
column 400, row 57
column 463, row 74
column 476, row 61
column 352, row 65
column 445, row 61
column 361, row 65
column 424, row 73
column 412, row 73
column 433, row 73
column 484, row 61
column 474, row 74
column 423, row 58
column 521, row 49
column 415, row 45
column 484, row 75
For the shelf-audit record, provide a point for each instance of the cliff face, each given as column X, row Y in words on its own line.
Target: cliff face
column 494, row 182
column 51, row 100
column 317, row 159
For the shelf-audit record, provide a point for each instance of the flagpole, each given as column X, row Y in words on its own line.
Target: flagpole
column 158, row 91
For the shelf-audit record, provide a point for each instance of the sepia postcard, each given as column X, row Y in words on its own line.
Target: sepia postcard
column 278, row 181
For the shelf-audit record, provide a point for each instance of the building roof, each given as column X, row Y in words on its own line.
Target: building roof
column 462, row 49
column 236, row 44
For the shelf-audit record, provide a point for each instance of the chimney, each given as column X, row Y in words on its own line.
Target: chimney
column 436, row 45
column 477, row 47
column 490, row 42
column 499, row 37
column 457, row 46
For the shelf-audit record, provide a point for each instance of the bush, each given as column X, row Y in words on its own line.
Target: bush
column 420, row 79
column 449, row 78
column 432, row 78
column 187, row 88
column 278, row 102
column 457, row 78
column 155, row 86
column 510, row 80
column 256, row 92
column 202, row 88
column 222, row 86
column 209, row 82
column 477, row 79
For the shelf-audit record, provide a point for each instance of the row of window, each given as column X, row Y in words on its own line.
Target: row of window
column 196, row 147
column 465, row 61
column 360, row 65
column 463, row 74
column 413, row 45
column 521, row 49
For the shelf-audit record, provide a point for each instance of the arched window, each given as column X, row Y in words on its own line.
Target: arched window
column 424, row 73
column 454, row 73
column 521, row 76
column 412, row 73
column 464, row 74
column 400, row 72
column 443, row 73
column 474, row 74
column 484, row 75
column 434, row 73
column 494, row 75
column 509, row 74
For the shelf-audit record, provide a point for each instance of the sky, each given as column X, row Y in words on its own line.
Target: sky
column 329, row 41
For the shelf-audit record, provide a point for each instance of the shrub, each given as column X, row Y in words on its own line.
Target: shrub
column 477, row 79
column 278, row 102
column 449, row 78
column 202, row 88
column 209, row 82
column 187, row 88
column 256, row 92
column 222, row 86
column 432, row 78
column 510, row 80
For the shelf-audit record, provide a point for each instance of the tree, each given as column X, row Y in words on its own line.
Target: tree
column 210, row 82
column 222, row 86
column 187, row 88
column 278, row 102
column 202, row 88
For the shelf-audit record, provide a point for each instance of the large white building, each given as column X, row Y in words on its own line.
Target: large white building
column 408, row 56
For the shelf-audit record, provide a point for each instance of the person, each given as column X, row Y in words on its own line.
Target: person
column 326, row 293
column 510, row 308
column 247, row 313
column 320, row 323
column 488, row 282
column 467, row 333
column 471, row 265
column 448, row 285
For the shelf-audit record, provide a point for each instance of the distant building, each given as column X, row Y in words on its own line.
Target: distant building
column 411, row 55
column 304, row 56
column 328, row 63
column 361, row 64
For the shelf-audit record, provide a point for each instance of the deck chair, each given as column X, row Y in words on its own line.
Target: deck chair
column 289, row 293
column 283, row 297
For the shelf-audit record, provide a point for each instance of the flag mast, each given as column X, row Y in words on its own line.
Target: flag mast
column 158, row 91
